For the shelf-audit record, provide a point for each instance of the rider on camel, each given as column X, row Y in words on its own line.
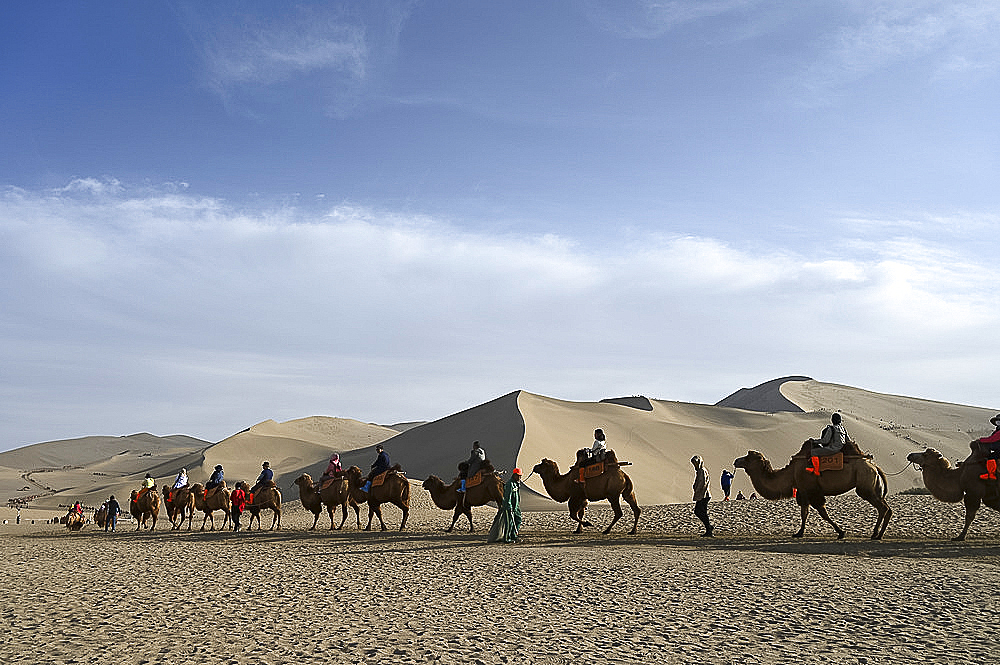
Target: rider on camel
column 831, row 442
column 476, row 460
column 266, row 476
column 991, row 446
column 218, row 477
column 380, row 465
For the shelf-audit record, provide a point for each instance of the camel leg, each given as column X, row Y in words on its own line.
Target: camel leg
column 636, row 510
column 454, row 517
column 371, row 515
column 276, row 522
column 884, row 513
column 805, row 515
column 616, row 506
column 316, row 519
column 333, row 509
column 821, row 509
column 576, row 512
column 971, row 508
column 406, row 513
column 468, row 513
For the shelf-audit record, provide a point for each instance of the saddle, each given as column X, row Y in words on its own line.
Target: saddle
column 476, row 479
column 592, row 470
column 214, row 490
column 379, row 479
column 328, row 481
column 833, row 462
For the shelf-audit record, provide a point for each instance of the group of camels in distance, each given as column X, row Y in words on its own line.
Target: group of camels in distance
column 612, row 484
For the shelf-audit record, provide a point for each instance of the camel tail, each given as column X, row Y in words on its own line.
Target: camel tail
column 406, row 493
column 885, row 482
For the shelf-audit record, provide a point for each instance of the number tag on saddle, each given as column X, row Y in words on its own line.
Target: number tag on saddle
column 833, row 462
column 593, row 470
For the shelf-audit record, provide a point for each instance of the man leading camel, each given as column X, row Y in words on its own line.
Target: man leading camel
column 831, row 442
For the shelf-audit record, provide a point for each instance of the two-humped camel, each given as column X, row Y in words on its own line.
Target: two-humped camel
column 336, row 493
column 268, row 497
column 447, row 497
column 146, row 506
column 859, row 474
column 960, row 483
column 395, row 489
column 612, row 486
column 217, row 501
column 179, row 503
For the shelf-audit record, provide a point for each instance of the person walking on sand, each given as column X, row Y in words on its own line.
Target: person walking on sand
column 701, row 495
column 507, row 523
column 238, row 501
column 727, row 483
column 111, row 517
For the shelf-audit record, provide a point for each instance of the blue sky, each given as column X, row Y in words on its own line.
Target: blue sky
column 216, row 213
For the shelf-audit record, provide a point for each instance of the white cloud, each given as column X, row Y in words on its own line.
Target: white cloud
column 311, row 310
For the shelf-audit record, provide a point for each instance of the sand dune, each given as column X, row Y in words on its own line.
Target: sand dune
column 519, row 429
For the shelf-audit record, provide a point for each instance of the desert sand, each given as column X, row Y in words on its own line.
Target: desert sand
column 751, row 595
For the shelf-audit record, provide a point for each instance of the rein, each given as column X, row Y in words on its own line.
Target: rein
column 908, row 465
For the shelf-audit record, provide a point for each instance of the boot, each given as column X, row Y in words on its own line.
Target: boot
column 367, row 486
column 815, row 465
column 991, row 470
column 461, row 485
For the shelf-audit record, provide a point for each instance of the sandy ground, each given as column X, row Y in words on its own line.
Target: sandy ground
column 751, row 595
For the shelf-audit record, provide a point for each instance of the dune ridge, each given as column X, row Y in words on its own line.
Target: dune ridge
column 518, row 429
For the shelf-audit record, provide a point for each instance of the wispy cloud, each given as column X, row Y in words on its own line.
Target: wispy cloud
column 285, row 311
column 648, row 19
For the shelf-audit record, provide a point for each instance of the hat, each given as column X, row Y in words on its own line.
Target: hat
column 266, row 464
column 218, row 467
column 516, row 472
column 996, row 420
column 696, row 459
column 334, row 457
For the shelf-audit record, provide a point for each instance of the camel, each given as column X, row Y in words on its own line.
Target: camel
column 75, row 521
column 337, row 493
column 268, row 497
column 181, row 506
column 218, row 501
column 961, row 483
column 101, row 516
column 613, row 485
column 446, row 497
column 395, row 490
column 144, row 507
column 859, row 474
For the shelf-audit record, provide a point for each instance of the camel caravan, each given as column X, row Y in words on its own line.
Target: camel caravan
column 828, row 466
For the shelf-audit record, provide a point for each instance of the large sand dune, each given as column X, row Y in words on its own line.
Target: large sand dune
column 658, row 437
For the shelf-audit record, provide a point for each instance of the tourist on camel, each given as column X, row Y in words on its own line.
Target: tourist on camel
column 147, row 484
column 831, row 442
column 596, row 453
column 476, row 460
column 181, row 480
column 380, row 465
column 266, row 476
column 217, row 478
column 990, row 445
column 333, row 469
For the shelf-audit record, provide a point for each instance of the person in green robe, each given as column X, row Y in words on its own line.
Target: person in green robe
column 507, row 523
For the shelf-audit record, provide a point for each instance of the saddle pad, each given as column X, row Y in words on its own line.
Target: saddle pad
column 474, row 480
column 327, row 483
column 833, row 462
column 593, row 470
column 379, row 479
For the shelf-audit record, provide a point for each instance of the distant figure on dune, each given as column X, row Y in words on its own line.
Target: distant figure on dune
column 831, row 442
column 380, row 465
column 990, row 446
column 701, row 495
column 727, row 483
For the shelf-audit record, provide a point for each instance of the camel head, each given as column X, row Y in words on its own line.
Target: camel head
column 546, row 468
column 928, row 457
column 354, row 476
column 304, row 481
column 752, row 460
column 433, row 483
